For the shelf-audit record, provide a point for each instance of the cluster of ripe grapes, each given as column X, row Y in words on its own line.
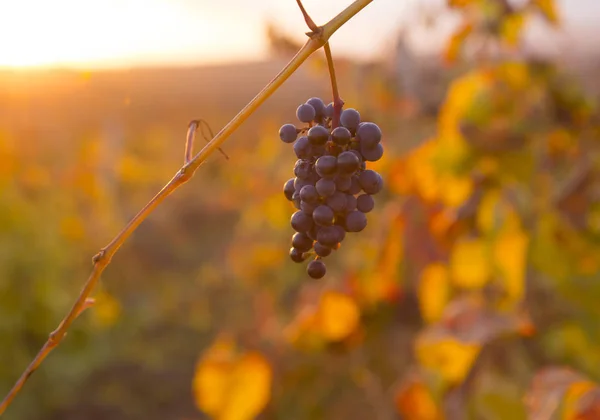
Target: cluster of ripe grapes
column 332, row 188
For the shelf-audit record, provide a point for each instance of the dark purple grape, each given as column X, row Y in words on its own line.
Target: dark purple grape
column 355, row 221
column 348, row 162
column 329, row 110
column 333, row 149
column 325, row 187
column 373, row 154
column 326, row 166
column 318, row 105
column 309, row 194
column 341, row 136
column 350, row 119
column 337, row 201
column 302, row 168
column 296, row 255
column 323, row 215
column 301, row 222
column 288, row 133
column 308, row 208
column 316, row 269
column 365, row 203
column 306, row 113
column 354, row 145
column 342, row 182
column 302, row 242
column 328, row 235
column 350, row 203
column 302, row 148
column 288, row 189
column 370, row 181
column 355, row 186
column 313, row 177
column 322, row 250
column 300, row 183
column 340, row 232
column 368, row 134
column 318, row 135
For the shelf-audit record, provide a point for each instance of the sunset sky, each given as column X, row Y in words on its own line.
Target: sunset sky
column 123, row 33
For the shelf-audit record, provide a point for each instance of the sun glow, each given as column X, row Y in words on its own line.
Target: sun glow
column 74, row 33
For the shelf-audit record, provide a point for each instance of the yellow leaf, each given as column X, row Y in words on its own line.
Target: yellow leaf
column 511, row 28
column 249, row 388
column 448, row 357
column 548, row 10
column 433, row 291
column 338, row 316
column 487, row 211
column 231, row 386
column 510, row 255
column 469, row 263
column 455, row 190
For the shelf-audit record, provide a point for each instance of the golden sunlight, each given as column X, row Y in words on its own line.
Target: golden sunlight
column 110, row 33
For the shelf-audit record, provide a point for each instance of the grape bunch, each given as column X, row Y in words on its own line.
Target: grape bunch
column 332, row 189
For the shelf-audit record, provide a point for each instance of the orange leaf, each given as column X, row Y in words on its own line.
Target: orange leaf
column 469, row 264
column 548, row 10
column 338, row 316
column 232, row 386
column 433, row 291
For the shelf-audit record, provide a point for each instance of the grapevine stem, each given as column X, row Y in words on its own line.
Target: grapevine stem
column 103, row 258
column 309, row 22
column 338, row 103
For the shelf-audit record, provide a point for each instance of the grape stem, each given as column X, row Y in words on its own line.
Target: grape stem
column 102, row 259
column 191, row 135
column 338, row 103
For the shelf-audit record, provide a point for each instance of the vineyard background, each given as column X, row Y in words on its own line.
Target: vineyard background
column 472, row 294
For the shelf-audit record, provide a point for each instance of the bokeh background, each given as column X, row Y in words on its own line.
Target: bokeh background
column 472, row 294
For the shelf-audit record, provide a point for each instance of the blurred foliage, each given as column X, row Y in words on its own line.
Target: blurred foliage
column 474, row 285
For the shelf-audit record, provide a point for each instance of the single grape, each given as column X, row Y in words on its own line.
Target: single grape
column 341, row 136
column 370, row 181
column 355, row 185
column 348, row 162
column 296, row 255
column 302, row 168
column 328, row 235
column 307, row 208
column 288, row 133
column 300, row 183
column 337, row 201
column 306, row 113
column 342, row 182
column 322, row 250
column 302, row 148
column 316, row 269
column 301, row 222
column 368, row 134
column 288, row 189
column 301, row 242
column 326, row 166
column 318, row 135
column 355, row 221
column 365, row 203
column 329, row 110
column 373, row 154
column 323, row 215
column 340, row 232
column 313, row 177
column 350, row 119
column 309, row 194
column 350, row 203
column 318, row 105
column 325, row 187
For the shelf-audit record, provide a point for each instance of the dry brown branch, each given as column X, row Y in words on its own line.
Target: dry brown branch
column 101, row 260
